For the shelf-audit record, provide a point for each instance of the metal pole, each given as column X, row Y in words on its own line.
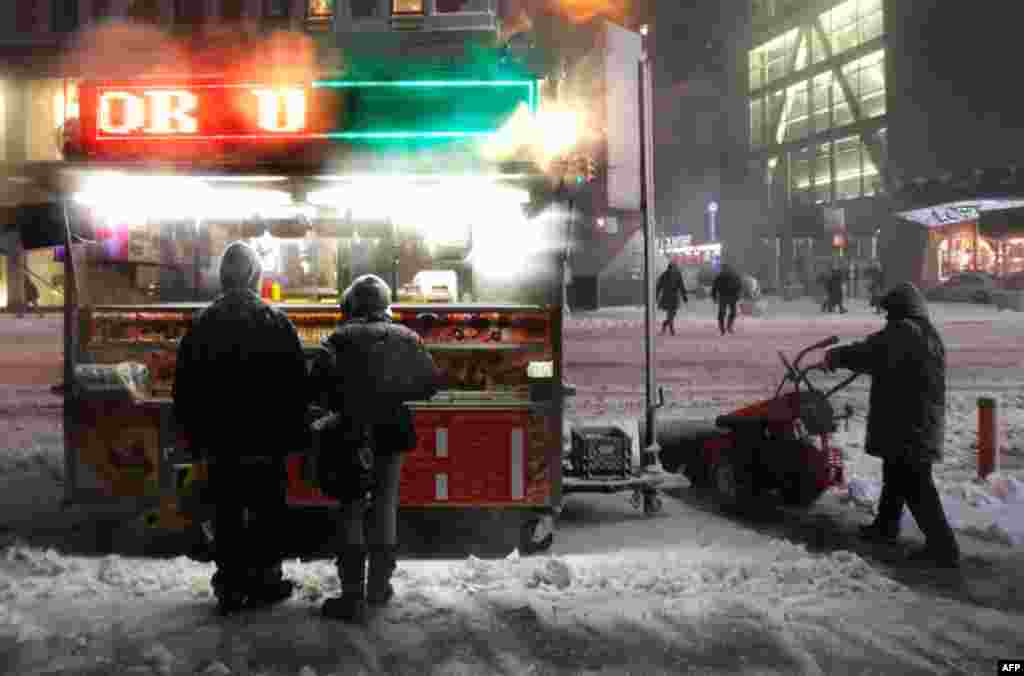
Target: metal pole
column 195, row 261
column 650, row 456
column 70, row 358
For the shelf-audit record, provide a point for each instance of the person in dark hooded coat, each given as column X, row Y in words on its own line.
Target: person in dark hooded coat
column 906, row 419
column 834, row 288
column 726, row 291
column 669, row 290
column 344, row 380
column 238, row 396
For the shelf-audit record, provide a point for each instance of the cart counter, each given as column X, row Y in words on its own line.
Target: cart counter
column 491, row 438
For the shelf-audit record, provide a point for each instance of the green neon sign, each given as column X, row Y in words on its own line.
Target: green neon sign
column 427, row 110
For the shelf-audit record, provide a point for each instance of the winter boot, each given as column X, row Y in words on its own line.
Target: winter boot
column 382, row 566
column 933, row 557
column 879, row 532
column 269, row 588
column 351, row 605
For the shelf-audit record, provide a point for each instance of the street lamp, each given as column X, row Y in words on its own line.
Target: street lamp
column 651, row 451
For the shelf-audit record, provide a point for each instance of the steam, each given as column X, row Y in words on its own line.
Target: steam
column 128, row 50
column 576, row 11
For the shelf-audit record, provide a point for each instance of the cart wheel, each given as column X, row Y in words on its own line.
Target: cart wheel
column 536, row 535
column 732, row 484
column 652, row 503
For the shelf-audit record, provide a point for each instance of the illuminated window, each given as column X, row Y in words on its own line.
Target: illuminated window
column 866, row 76
column 320, row 9
column 823, row 174
column 769, row 62
column 800, row 170
column 848, row 168
column 757, row 135
column 821, row 102
column 407, row 6
column 853, row 23
column 797, row 120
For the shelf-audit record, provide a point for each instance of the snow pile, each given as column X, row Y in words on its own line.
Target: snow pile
column 992, row 509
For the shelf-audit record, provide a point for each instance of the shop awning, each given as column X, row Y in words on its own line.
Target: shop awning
column 962, row 211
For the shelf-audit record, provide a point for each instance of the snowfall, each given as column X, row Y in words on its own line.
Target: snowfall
column 689, row 590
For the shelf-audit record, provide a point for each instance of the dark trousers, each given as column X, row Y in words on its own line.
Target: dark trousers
column 724, row 305
column 249, row 504
column 362, row 528
column 912, row 484
column 670, row 319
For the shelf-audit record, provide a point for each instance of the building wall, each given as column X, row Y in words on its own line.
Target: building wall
column 955, row 72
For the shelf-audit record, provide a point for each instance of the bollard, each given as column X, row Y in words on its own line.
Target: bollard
column 988, row 444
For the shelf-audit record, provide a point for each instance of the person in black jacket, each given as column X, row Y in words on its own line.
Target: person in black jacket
column 906, row 419
column 726, row 291
column 835, row 291
column 237, row 372
column 669, row 289
column 350, row 383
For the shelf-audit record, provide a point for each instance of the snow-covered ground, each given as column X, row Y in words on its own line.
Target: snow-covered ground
column 690, row 590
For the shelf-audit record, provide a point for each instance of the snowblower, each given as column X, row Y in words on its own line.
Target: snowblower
column 777, row 448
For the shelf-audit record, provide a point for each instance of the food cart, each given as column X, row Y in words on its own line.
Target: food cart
column 160, row 188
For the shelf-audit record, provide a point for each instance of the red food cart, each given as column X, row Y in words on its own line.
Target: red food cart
column 161, row 186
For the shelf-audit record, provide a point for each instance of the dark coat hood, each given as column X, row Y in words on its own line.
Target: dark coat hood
column 905, row 301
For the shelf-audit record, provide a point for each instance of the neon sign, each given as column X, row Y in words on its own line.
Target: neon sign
column 210, row 120
column 201, row 112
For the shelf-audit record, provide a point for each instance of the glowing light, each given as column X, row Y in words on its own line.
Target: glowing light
column 137, row 199
column 170, row 110
column 551, row 132
column 133, row 113
column 269, row 108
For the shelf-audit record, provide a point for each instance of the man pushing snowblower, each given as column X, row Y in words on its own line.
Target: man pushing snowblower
column 906, row 420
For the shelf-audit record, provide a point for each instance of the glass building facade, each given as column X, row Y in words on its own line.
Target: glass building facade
column 817, row 99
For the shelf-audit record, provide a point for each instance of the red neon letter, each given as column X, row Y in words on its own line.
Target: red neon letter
column 270, row 106
column 133, row 113
column 171, row 112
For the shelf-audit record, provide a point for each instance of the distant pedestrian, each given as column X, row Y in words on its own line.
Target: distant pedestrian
column 726, row 291
column 235, row 347
column 669, row 290
column 369, row 369
column 31, row 294
column 906, row 420
column 877, row 289
column 835, row 291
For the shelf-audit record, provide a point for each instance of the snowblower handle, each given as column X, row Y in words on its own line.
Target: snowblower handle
column 828, row 342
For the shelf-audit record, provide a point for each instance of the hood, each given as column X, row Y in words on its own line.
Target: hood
column 240, row 268
column 904, row 301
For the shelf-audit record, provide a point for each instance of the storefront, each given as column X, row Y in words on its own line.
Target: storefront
column 976, row 236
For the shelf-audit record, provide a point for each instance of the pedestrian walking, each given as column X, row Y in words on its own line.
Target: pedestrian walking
column 669, row 289
column 725, row 291
column 835, row 291
column 234, row 348
column 31, row 293
column 877, row 289
column 368, row 370
column 906, row 420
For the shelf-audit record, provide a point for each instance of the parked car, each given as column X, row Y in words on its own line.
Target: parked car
column 966, row 287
